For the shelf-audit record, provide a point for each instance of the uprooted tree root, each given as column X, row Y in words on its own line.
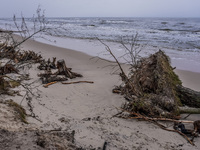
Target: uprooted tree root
column 154, row 91
column 157, row 88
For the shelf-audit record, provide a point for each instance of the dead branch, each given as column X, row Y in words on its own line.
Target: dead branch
column 171, row 130
column 123, row 75
column 154, row 120
column 77, row 82
column 116, row 60
column 133, row 115
column 48, row 84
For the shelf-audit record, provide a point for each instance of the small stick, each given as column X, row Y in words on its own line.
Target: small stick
column 46, row 85
column 77, row 82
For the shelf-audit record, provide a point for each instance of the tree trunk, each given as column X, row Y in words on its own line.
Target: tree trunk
column 189, row 110
column 189, row 97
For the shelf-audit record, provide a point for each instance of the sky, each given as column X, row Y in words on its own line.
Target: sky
column 102, row 8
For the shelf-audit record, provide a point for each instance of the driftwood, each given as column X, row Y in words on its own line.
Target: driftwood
column 171, row 130
column 77, row 82
column 155, row 121
column 189, row 110
column 139, row 116
column 64, row 70
column 62, row 73
column 46, row 85
column 189, row 97
column 47, row 78
column 156, row 92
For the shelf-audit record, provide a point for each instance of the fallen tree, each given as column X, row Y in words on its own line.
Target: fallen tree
column 158, row 91
column 153, row 91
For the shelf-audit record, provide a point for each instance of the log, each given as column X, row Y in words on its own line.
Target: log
column 189, row 110
column 189, row 97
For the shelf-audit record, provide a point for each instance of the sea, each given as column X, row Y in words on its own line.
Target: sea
column 178, row 37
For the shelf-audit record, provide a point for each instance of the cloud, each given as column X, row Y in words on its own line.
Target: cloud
column 103, row 8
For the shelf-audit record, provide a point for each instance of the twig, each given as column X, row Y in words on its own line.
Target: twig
column 46, row 85
column 139, row 116
column 24, row 97
column 77, row 82
column 162, row 119
column 117, row 114
column 123, row 75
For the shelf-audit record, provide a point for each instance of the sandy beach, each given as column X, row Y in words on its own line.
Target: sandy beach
column 87, row 109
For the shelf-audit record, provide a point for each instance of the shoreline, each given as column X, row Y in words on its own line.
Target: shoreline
column 189, row 78
column 92, row 47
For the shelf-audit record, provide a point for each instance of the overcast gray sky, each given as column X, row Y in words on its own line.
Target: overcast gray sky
column 102, row 8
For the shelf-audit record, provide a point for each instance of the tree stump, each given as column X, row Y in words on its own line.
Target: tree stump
column 63, row 70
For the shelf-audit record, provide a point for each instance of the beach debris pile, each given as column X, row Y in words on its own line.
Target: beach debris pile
column 154, row 92
column 13, row 65
column 63, row 73
column 18, row 56
column 153, row 89
column 13, row 60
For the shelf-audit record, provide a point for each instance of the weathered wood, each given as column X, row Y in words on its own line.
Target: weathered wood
column 77, row 82
column 64, row 70
column 52, row 78
column 189, row 110
column 189, row 97
column 46, row 85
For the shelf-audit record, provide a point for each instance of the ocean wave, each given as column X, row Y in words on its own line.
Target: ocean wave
column 168, row 30
column 162, row 32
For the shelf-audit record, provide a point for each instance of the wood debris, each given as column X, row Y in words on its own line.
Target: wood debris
column 77, row 82
column 154, row 93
